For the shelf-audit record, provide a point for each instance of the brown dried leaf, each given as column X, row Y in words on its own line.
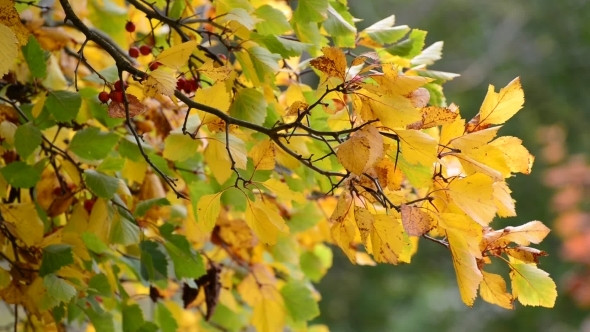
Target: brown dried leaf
column 136, row 107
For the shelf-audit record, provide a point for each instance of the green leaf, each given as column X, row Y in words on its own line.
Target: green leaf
column 299, row 301
column 265, row 63
column 99, row 285
column 340, row 25
column 187, row 264
column 165, row 319
column 179, row 147
column 26, row 139
column 249, row 105
column 35, row 58
column 93, row 243
column 241, row 16
column 92, row 144
column 148, row 327
column 102, row 321
column 100, row 184
column 304, row 218
column 55, row 256
column 383, row 31
column 285, row 47
column 63, row 105
column 410, row 47
column 111, row 74
column 128, row 149
column 124, row 231
column 58, row 288
column 176, row 9
column 20, row 175
column 144, row 206
column 132, row 318
column 273, row 21
column 111, row 164
column 59, row 313
column 311, row 11
column 429, row 55
column 154, row 265
column 532, row 286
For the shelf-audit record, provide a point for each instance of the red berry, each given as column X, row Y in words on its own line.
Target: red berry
column 154, row 65
column 118, row 86
column 88, row 205
column 130, row 26
column 134, row 52
column 145, row 50
column 103, row 96
column 222, row 57
column 180, row 83
column 187, row 88
column 116, row 96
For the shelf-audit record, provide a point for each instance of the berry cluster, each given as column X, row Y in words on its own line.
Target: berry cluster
column 188, row 86
column 115, row 95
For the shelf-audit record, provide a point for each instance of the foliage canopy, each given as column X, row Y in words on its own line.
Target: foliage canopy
column 208, row 184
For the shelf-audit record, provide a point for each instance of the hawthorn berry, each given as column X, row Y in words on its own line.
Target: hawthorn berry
column 88, row 205
column 104, row 97
column 154, row 65
column 118, row 86
column 222, row 57
column 180, row 83
column 133, row 52
column 130, row 26
column 116, row 96
column 145, row 50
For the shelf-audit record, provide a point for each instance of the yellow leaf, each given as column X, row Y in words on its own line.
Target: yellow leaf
column 248, row 290
column 498, row 107
column 434, row 116
column 216, row 97
column 208, row 209
column 468, row 274
column 9, row 46
column 100, row 220
column 474, row 195
column 464, row 227
column 4, row 279
column 525, row 254
column 215, row 72
column 269, row 313
column 217, row 156
column 283, row 191
column 533, row 231
column 160, row 81
column 177, row 55
column 474, row 140
column 388, row 240
column 364, row 221
column 417, row 147
column 532, row 286
column 11, row 19
column 263, row 218
column 332, row 63
column 392, row 110
column 517, row 157
column 451, row 131
column 388, row 174
column 398, row 83
column 472, row 166
column 78, row 246
column 493, row 290
column 339, row 120
column 263, row 155
column 503, row 200
column 362, row 150
column 27, row 224
column 343, row 228
column 416, row 221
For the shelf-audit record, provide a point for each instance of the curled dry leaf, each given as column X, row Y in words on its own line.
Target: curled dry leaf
column 136, row 107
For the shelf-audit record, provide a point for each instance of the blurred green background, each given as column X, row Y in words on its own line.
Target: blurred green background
column 547, row 44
